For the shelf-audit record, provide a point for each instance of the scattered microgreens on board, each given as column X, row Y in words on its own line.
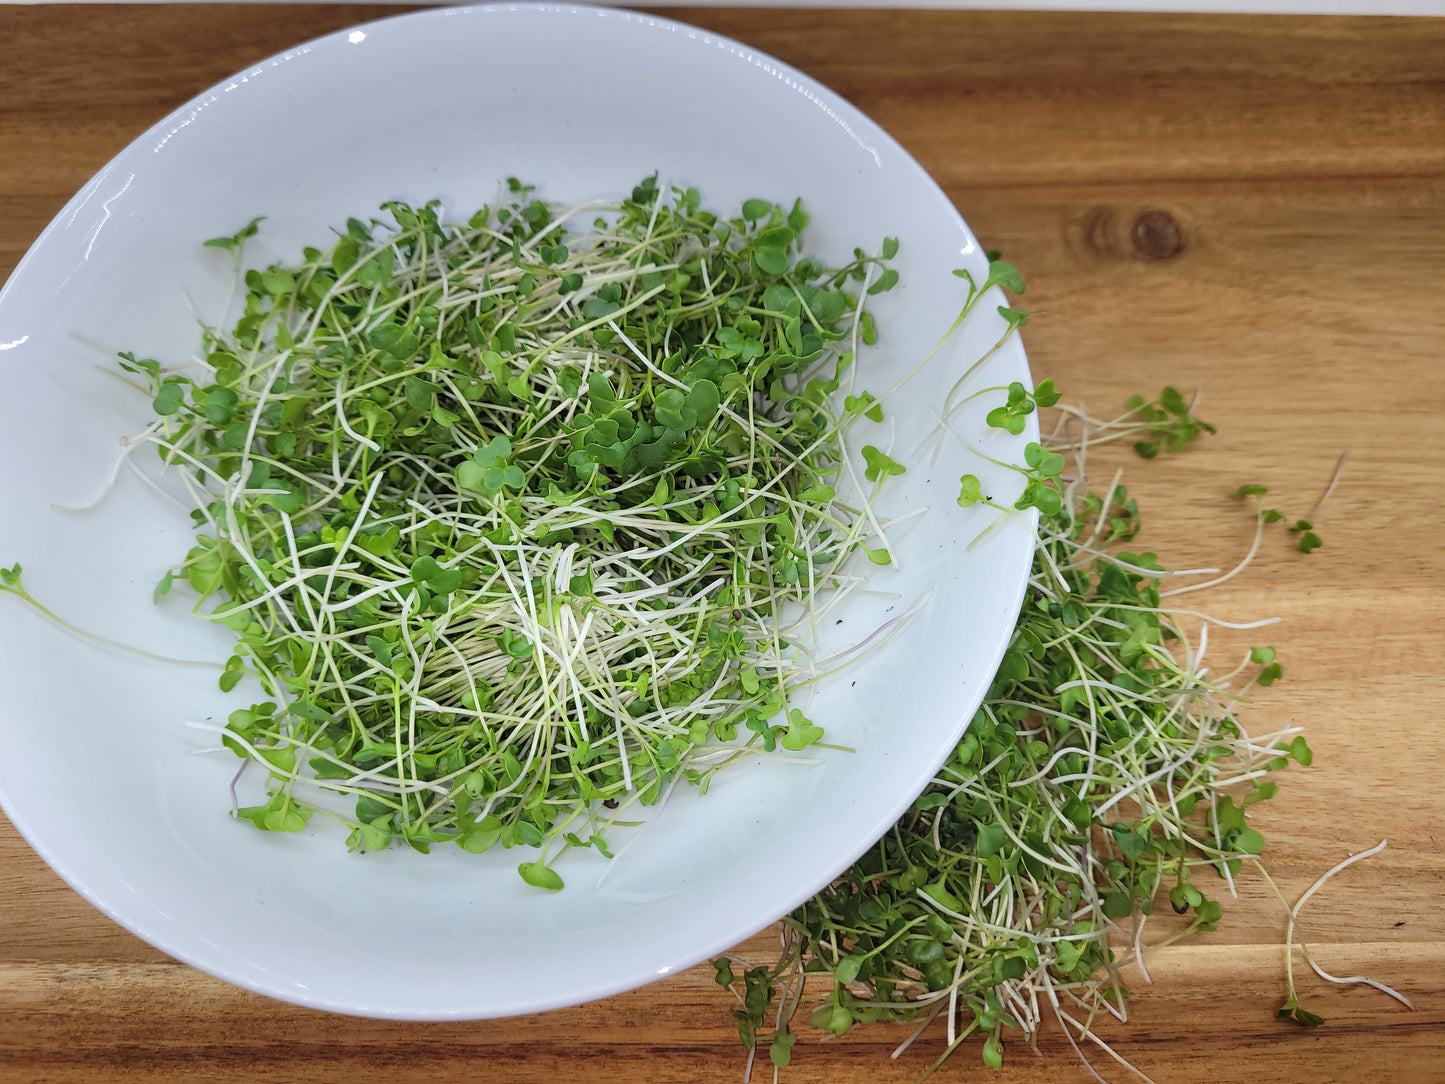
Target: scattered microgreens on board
column 1308, row 541
column 1167, row 423
column 1104, row 773
column 505, row 514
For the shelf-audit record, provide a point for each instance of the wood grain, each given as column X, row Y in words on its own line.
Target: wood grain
column 1249, row 207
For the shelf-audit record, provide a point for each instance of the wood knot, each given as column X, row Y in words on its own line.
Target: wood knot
column 1157, row 236
column 1124, row 234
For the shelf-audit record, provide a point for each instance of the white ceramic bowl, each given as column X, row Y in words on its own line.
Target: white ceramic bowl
column 97, row 768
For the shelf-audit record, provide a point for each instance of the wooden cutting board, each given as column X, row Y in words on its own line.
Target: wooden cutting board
column 1249, row 207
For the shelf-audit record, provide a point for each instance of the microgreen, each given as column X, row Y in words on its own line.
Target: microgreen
column 880, row 464
column 11, row 583
column 237, row 239
column 1015, row 318
column 1000, row 273
column 865, row 405
column 1010, row 416
column 970, row 491
column 1308, row 540
column 1166, row 423
column 489, row 469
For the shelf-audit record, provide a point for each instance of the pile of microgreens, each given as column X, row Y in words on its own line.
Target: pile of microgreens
column 508, row 522
column 1106, row 770
column 517, row 522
